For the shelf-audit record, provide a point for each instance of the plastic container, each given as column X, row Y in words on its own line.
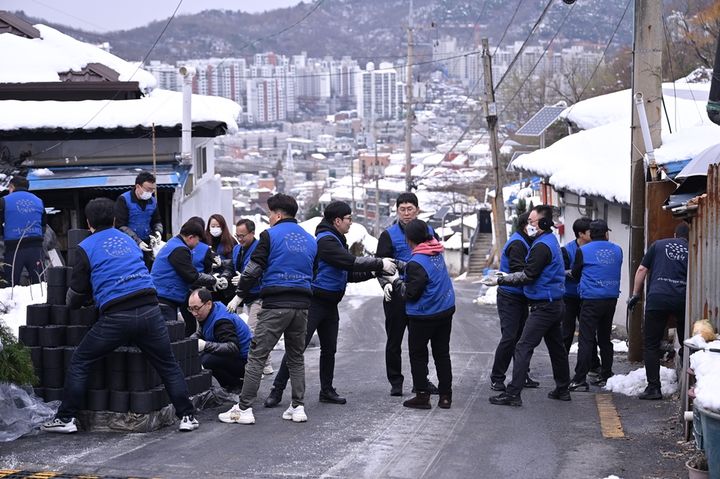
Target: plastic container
column 707, row 436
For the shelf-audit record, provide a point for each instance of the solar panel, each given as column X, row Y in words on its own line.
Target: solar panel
column 541, row 121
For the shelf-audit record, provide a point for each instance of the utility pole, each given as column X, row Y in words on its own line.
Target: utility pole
column 647, row 79
column 409, row 95
column 499, row 227
column 377, row 183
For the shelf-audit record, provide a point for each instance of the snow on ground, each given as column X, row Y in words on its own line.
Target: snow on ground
column 14, row 300
column 634, row 383
column 619, row 346
column 706, row 365
column 489, row 297
column 370, row 287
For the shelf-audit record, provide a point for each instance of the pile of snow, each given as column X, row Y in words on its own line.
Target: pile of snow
column 619, row 346
column 706, row 365
column 698, row 342
column 490, row 296
column 633, row 383
column 370, row 287
column 13, row 302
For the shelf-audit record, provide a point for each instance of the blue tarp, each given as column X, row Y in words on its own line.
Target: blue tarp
column 105, row 177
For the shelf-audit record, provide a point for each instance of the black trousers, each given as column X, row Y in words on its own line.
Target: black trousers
column 395, row 324
column 513, row 312
column 654, row 332
column 228, row 370
column 323, row 317
column 543, row 323
column 571, row 316
column 596, row 317
column 437, row 332
column 29, row 258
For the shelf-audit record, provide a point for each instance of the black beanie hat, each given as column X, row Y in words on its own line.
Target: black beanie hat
column 336, row 209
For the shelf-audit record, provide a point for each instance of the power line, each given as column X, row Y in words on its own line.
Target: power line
column 507, row 27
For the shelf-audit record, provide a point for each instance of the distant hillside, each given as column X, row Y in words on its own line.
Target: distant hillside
column 364, row 29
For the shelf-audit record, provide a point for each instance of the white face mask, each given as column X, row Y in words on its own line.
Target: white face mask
column 531, row 230
column 146, row 195
column 216, row 232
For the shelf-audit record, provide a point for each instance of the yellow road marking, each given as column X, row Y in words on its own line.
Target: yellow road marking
column 8, row 472
column 610, row 424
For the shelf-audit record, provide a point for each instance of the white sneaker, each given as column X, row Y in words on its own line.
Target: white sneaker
column 60, row 426
column 237, row 415
column 188, row 423
column 296, row 414
column 268, row 369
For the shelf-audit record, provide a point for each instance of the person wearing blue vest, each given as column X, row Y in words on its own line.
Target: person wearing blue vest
column 666, row 264
column 512, row 306
column 392, row 244
column 245, row 234
column 598, row 265
column 223, row 339
column 334, row 267
column 174, row 273
column 543, row 282
column 23, row 217
column 137, row 214
column 283, row 263
column 430, row 305
column 109, row 268
column 222, row 243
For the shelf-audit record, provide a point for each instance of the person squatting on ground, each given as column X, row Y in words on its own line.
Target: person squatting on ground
column 109, row 268
column 284, row 260
column 334, row 267
column 598, row 265
column 573, row 303
column 223, row 339
column 666, row 262
column 174, row 274
column 429, row 298
column 245, row 234
column 512, row 305
column 543, row 282
column 392, row 244
column 23, row 216
column 137, row 215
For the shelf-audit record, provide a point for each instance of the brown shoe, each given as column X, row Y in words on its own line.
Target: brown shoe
column 420, row 401
column 445, row 401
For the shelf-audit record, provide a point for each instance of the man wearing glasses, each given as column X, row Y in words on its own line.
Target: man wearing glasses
column 137, row 215
column 223, row 339
column 334, row 267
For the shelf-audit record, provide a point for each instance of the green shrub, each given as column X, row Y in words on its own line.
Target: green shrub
column 15, row 363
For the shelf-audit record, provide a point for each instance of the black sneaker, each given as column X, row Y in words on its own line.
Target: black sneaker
column 331, row 396
column 432, row 389
column 396, row 390
column 59, row 426
column 579, row 386
column 601, row 381
column 560, row 395
column 650, row 394
column 531, row 383
column 497, row 386
column 274, row 397
column 505, row 399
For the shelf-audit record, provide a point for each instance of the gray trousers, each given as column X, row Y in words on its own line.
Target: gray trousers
column 271, row 324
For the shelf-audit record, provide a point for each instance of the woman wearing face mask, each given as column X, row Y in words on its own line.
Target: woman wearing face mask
column 222, row 242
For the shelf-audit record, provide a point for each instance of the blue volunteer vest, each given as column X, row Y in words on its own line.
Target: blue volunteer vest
column 198, row 256
column 220, row 312
column 117, row 268
column 169, row 283
column 138, row 218
column 602, row 267
column 505, row 262
column 245, row 260
column 327, row 277
column 292, row 254
column 438, row 295
column 400, row 247
column 668, row 272
column 23, row 216
column 571, row 285
column 550, row 286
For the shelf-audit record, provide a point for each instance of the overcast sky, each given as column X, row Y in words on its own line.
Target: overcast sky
column 103, row 16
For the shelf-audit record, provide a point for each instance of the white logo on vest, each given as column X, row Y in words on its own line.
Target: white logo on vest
column 295, row 242
column 116, row 246
column 676, row 251
column 25, row 206
column 605, row 256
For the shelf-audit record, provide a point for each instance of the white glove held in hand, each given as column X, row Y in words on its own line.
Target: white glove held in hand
column 201, row 345
column 389, row 266
column 217, row 260
column 493, row 280
column 144, row 246
column 387, row 292
column 236, row 279
column 233, row 305
column 221, row 283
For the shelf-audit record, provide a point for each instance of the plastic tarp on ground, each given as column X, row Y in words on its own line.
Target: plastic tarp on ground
column 22, row 412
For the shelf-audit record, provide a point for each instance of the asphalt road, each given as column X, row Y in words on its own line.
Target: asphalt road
column 373, row 436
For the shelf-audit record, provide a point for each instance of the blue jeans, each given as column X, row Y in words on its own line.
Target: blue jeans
column 143, row 326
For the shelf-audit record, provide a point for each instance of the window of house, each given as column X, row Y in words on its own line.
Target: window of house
column 625, row 215
column 200, row 161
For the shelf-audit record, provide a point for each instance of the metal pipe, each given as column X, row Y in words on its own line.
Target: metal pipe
column 645, row 128
column 187, row 73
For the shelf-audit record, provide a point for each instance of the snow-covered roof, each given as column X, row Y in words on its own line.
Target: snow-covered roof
column 434, row 159
column 454, row 242
column 596, row 161
column 468, row 221
column 161, row 107
column 26, row 60
column 357, row 234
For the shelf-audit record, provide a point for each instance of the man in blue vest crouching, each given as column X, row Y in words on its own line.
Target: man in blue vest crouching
column 109, row 269
column 223, row 339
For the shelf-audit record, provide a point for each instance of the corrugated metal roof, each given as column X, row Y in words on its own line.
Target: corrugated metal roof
column 104, row 177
